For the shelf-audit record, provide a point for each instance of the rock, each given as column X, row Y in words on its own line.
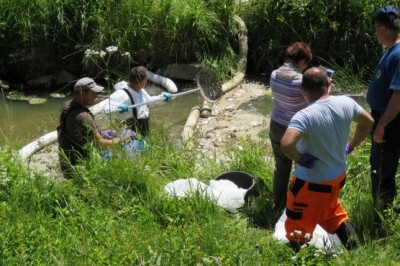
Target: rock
column 4, row 85
column 63, row 77
column 182, row 71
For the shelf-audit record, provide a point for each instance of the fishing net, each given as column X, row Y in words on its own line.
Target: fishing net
column 210, row 85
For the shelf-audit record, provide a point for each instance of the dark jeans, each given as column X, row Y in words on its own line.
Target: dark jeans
column 384, row 161
column 283, row 166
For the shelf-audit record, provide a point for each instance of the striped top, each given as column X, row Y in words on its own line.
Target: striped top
column 288, row 98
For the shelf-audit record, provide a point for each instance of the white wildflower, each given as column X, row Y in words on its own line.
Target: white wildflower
column 127, row 54
column 111, row 49
column 102, row 54
column 88, row 52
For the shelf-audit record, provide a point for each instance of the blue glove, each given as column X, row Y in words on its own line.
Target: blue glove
column 348, row 149
column 167, row 96
column 123, row 107
column 307, row 160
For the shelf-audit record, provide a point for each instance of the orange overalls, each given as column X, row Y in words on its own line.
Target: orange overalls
column 309, row 204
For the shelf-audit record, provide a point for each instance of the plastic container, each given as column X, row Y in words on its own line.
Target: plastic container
column 242, row 180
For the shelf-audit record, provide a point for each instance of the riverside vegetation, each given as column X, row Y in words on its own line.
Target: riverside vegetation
column 41, row 37
column 116, row 212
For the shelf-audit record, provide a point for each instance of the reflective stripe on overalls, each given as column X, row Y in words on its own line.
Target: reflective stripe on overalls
column 309, row 204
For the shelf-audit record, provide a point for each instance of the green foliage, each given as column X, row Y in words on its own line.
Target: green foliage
column 116, row 212
column 154, row 32
column 41, row 35
column 338, row 31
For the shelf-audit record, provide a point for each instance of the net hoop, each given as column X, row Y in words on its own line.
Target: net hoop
column 209, row 84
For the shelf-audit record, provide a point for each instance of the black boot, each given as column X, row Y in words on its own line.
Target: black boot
column 347, row 235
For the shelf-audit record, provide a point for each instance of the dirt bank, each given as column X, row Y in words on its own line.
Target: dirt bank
column 237, row 114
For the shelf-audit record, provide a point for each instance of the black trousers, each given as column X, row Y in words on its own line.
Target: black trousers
column 384, row 160
column 283, row 166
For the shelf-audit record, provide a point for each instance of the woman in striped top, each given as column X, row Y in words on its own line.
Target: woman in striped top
column 288, row 98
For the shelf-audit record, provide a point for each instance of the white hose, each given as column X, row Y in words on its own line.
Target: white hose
column 165, row 82
column 38, row 144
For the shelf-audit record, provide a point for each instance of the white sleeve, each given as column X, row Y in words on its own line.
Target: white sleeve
column 149, row 98
column 117, row 98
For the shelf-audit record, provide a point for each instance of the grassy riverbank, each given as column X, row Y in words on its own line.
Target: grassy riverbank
column 116, row 213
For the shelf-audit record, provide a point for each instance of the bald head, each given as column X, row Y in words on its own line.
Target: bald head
column 314, row 80
column 315, row 83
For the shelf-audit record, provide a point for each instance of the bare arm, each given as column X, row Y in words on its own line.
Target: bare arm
column 99, row 138
column 364, row 123
column 391, row 112
column 288, row 143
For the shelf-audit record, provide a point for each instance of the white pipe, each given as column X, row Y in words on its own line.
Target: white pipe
column 191, row 123
column 37, row 144
column 165, row 82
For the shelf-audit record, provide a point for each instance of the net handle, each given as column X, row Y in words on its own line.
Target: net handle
column 210, row 93
column 158, row 100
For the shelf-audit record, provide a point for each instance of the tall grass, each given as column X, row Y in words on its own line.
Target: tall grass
column 338, row 30
column 55, row 34
column 40, row 37
column 116, row 212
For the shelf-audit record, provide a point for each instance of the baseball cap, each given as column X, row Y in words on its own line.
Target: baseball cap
column 386, row 14
column 87, row 84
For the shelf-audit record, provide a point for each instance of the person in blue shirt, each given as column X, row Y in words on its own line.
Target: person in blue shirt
column 317, row 139
column 383, row 97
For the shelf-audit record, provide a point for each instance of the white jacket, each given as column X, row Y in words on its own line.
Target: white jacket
column 121, row 97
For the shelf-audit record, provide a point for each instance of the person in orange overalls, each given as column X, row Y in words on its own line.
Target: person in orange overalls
column 317, row 140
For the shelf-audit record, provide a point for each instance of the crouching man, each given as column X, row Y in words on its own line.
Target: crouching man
column 317, row 140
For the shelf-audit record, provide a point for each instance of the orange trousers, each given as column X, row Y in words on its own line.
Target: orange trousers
column 309, row 204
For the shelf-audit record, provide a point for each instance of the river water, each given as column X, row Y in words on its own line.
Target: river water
column 21, row 122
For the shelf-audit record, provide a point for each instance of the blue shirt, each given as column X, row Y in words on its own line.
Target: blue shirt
column 325, row 125
column 386, row 78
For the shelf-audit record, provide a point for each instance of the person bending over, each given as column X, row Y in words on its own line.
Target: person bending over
column 316, row 139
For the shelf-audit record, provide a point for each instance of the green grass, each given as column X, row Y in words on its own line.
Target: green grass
column 117, row 213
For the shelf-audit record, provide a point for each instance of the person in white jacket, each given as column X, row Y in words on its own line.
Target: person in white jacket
column 132, row 92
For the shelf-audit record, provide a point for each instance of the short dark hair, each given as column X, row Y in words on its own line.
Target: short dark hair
column 314, row 80
column 299, row 51
column 137, row 74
